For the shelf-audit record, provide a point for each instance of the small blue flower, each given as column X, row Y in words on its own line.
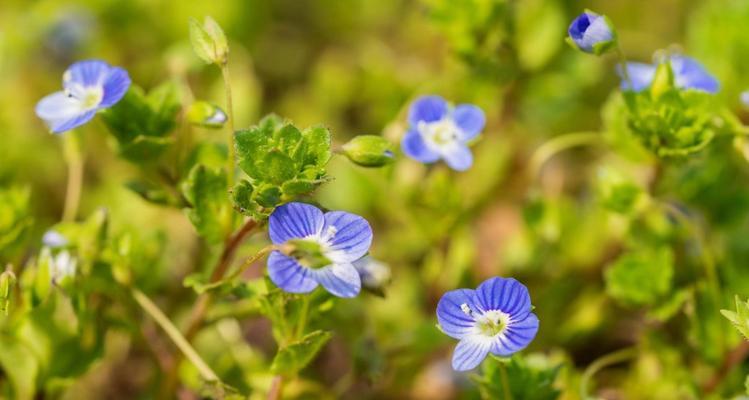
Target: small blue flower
column 688, row 74
column 495, row 318
column 592, row 33
column 89, row 86
column 317, row 248
column 437, row 131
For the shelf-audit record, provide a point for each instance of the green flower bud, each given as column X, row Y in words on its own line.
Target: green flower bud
column 208, row 41
column 7, row 283
column 368, row 151
column 205, row 114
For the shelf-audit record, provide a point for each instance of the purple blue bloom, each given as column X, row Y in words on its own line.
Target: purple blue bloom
column 317, row 249
column 495, row 318
column 438, row 131
column 88, row 86
column 688, row 74
column 591, row 33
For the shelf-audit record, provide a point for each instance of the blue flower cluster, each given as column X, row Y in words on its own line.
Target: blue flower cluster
column 688, row 74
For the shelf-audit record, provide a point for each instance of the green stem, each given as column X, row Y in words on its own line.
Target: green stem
column 303, row 317
column 251, row 260
column 557, row 144
column 601, row 363
column 230, row 122
column 505, row 381
column 74, row 159
column 153, row 310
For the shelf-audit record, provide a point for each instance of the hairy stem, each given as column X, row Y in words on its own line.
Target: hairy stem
column 74, row 159
column 174, row 334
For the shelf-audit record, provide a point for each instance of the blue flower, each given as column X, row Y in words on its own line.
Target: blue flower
column 89, row 86
column 592, row 33
column 688, row 74
column 317, row 249
column 495, row 318
column 437, row 131
column 744, row 97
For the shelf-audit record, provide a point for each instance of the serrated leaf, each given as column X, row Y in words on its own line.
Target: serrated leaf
column 317, row 140
column 640, row 276
column 295, row 356
column 298, row 187
column 277, row 167
column 205, row 189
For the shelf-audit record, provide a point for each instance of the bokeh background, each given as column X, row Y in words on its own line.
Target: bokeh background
column 354, row 66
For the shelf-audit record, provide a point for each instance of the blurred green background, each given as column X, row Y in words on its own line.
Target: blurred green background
column 354, row 66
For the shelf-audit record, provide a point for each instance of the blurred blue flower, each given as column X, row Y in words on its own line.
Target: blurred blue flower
column 54, row 239
column 592, row 33
column 744, row 97
column 437, row 131
column 688, row 74
column 316, row 248
column 495, row 318
column 89, row 86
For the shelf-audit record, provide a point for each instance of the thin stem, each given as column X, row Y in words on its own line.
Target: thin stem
column 601, row 363
column 731, row 360
column 276, row 387
column 303, row 317
column 505, row 381
column 558, row 144
column 74, row 159
column 151, row 309
column 230, row 122
column 251, row 260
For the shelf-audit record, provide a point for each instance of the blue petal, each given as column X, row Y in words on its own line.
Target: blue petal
column 640, row 74
column 506, row 295
column 287, row 274
column 413, row 145
column 690, row 74
column 86, row 73
column 352, row 236
column 458, row 157
column 341, row 280
column 115, row 86
column 62, row 113
column 427, row 109
column 578, row 26
column 455, row 322
column 589, row 29
column 516, row 337
column 294, row 221
column 470, row 119
column 470, row 352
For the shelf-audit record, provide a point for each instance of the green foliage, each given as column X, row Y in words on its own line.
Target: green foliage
column 205, row 190
column 740, row 317
column 208, row 41
column 616, row 192
column 293, row 357
column 518, row 378
column 141, row 123
column 281, row 161
column 640, row 276
column 368, row 151
column 15, row 219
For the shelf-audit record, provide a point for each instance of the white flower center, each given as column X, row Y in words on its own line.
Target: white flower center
column 492, row 323
column 439, row 134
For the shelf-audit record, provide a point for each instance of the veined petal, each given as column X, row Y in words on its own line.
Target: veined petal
column 62, row 113
column 413, row 145
column 427, row 109
column 287, row 274
column 458, row 157
column 470, row 352
column 455, row 313
column 690, row 74
column 517, row 336
column 470, row 119
column 86, row 73
column 115, row 86
column 341, row 280
column 350, row 236
column 598, row 31
column 506, row 295
column 294, row 221
column 640, row 74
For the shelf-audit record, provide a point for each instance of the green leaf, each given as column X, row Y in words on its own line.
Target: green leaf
column 205, row 189
column 531, row 378
column 293, row 357
column 317, row 140
column 369, row 151
column 15, row 218
column 208, row 41
column 641, row 276
column 298, row 187
column 739, row 318
column 268, row 196
column 20, row 365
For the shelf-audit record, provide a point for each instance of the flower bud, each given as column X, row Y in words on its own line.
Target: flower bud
column 7, row 282
column 374, row 275
column 209, row 41
column 592, row 33
column 368, row 151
